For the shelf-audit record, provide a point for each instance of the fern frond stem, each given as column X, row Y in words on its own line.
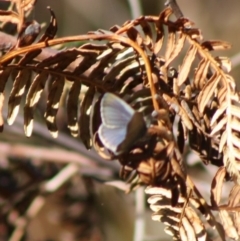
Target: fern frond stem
column 139, row 227
column 135, row 8
column 110, row 37
column 207, row 55
column 82, row 78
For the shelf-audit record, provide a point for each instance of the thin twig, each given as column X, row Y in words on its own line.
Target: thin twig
column 88, row 166
column 62, row 177
column 176, row 9
column 7, row 40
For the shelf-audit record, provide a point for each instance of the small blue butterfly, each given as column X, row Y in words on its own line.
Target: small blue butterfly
column 121, row 125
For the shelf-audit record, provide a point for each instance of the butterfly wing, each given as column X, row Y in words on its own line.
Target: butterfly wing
column 121, row 124
column 111, row 137
column 115, row 112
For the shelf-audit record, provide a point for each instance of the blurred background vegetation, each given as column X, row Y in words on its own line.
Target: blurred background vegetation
column 82, row 208
column 218, row 19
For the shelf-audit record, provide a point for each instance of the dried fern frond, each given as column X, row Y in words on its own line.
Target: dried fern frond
column 137, row 62
column 182, row 221
column 228, row 213
column 16, row 13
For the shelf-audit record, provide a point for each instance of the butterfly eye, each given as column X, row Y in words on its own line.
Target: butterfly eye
column 121, row 125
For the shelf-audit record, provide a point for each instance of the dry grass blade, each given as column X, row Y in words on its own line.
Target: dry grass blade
column 186, row 65
column 207, row 92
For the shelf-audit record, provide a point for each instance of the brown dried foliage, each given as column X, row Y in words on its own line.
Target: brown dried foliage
column 136, row 60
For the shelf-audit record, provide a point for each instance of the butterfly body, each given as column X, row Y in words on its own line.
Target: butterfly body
column 121, row 125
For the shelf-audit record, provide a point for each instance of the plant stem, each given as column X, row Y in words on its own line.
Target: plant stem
column 135, row 8
column 176, row 9
column 139, row 227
